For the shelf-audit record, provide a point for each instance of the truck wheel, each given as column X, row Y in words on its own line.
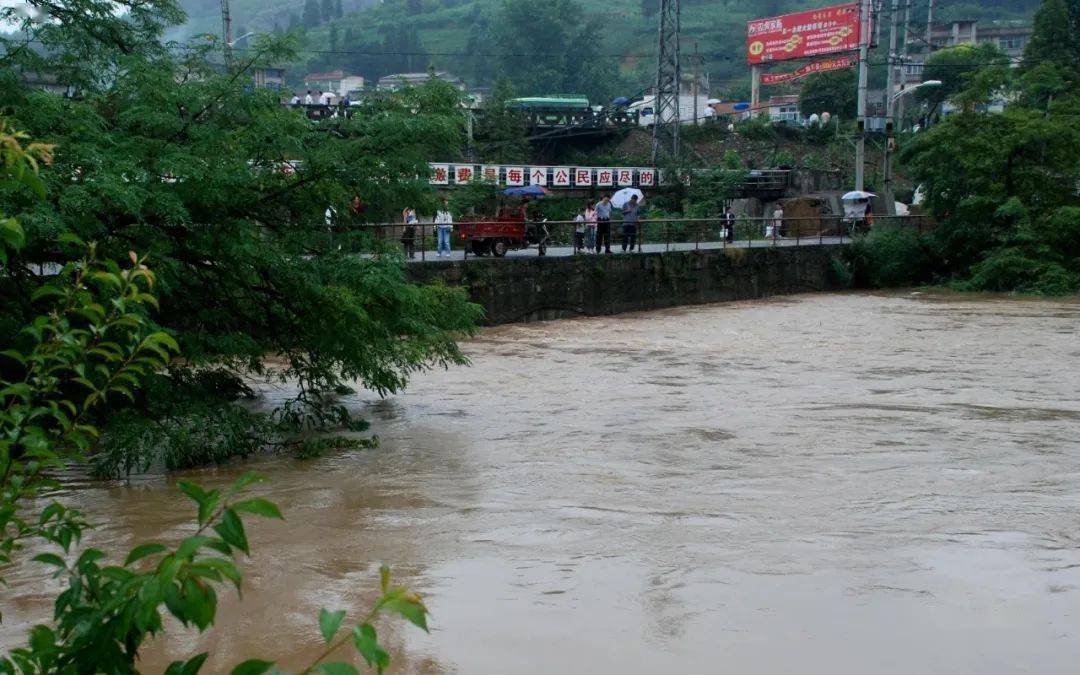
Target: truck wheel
column 479, row 246
column 498, row 247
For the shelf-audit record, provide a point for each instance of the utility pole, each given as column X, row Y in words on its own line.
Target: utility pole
column 890, row 120
column 226, row 30
column 697, row 81
column 930, row 26
column 903, row 62
column 864, row 55
column 878, row 4
column 668, row 76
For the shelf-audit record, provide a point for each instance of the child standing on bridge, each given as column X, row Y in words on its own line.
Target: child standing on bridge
column 590, row 227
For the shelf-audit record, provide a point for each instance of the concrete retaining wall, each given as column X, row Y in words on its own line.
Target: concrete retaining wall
column 529, row 289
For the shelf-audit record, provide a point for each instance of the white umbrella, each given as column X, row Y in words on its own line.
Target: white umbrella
column 622, row 197
column 713, row 101
column 857, row 195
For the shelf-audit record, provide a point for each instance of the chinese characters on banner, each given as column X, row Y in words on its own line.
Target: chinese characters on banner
column 836, row 63
column 558, row 176
column 440, row 174
column 829, row 30
column 515, row 175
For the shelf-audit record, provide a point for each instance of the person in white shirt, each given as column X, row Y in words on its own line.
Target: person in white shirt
column 295, row 100
column 324, row 97
column 444, row 225
column 579, row 231
column 308, row 100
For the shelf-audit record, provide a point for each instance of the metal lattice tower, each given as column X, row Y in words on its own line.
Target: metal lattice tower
column 668, row 78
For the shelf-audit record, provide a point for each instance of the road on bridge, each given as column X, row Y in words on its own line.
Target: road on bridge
column 567, row 251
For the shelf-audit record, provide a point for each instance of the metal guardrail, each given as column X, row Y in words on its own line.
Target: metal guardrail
column 653, row 235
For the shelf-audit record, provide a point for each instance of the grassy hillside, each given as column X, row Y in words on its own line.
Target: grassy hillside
column 375, row 38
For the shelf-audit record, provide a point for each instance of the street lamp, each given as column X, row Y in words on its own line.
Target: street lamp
column 905, row 92
column 245, row 35
column 890, row 203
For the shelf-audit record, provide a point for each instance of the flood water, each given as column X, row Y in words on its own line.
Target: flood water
column 840, row 484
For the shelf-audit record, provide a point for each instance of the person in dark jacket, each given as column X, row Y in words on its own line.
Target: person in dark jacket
column 631, row 216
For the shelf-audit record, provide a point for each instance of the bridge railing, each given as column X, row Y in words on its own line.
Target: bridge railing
column 651, row 235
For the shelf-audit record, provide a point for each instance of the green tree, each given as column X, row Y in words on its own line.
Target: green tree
column 998, row 185
column 1054, row 39
column 171, row 156
column 555, row 48
column 968, row 71
column 500, row 132
column 326, row 10
column 312, row 14
column 833, row 92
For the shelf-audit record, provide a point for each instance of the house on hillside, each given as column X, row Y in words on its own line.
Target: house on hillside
column 336, row 81
column 48, row 82
column 785, row 109
column 398, row 81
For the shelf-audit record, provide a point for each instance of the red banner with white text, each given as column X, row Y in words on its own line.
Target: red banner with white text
column 838, row 63
column 829, row 30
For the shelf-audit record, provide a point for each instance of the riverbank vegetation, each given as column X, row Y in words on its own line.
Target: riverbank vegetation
column 168, row 151
column 1002, row 186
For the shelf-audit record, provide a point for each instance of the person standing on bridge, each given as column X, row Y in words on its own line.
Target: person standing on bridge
column 590, row 227
column 630, row 217
column 408, row 234
column 579, row 232
column 308, row 100
column 728, row 225
column 444, row 224
column 603, row 224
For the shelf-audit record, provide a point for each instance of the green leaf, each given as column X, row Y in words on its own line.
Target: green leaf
column 249, row 478
column 408, row 605
column 143, row 550
column 231, row 529
column 50, row 559
column 329, row 622
column 189, row 667
column 337, row 669
column 384, row 578
column 367, row 644
column 252, row 667
column 259, row 506
column 189, row 546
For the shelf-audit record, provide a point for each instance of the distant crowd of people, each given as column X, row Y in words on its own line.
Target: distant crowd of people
column 324, row 98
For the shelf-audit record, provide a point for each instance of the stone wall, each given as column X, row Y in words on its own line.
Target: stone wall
column 535, row 288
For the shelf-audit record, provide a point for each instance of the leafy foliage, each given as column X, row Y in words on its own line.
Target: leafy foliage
column 93, row 343
column 227, row 191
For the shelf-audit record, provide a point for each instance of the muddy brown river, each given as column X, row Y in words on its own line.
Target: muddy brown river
column 835, row 484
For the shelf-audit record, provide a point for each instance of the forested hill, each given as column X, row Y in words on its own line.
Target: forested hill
column 588, row 46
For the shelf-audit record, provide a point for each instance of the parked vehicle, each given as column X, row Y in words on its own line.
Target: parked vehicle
column 509, row 230
column 646, row 112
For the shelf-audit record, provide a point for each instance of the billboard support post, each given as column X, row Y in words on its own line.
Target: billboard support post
column 864, row 53
column 755, row 91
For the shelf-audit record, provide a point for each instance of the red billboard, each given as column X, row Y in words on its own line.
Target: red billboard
column 835, row 63
column 828, row 30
